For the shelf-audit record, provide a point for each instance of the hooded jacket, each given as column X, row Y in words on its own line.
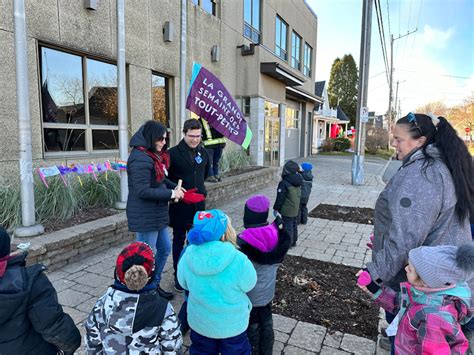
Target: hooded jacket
column 306, row 186
column 132, row 323
column 31, row 319
column 147, row 204
column 430, row 321
column 288, row 193
column 218, row 277
column 266, row 247
column 417, row 207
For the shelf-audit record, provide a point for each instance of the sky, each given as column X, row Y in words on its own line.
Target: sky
column 435, row 63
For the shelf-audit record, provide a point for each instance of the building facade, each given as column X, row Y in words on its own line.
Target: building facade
column 262, row 50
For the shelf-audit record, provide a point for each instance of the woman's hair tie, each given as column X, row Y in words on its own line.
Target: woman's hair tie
column 434, row 120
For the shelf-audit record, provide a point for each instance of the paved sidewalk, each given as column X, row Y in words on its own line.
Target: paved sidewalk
column 80, row 284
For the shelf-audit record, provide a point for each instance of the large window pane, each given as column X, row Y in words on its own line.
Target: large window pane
column 308, row 53
column 102, row 84
column 159, row 93
column 256, row 14
column 103, row 139
column 62, row 90
column 208, row 6
column 64, row 140
column 280, row 38
column 248, row 11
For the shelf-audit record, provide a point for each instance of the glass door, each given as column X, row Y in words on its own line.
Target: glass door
column 272, row 134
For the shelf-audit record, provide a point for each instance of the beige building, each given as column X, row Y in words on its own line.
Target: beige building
column 262, row 50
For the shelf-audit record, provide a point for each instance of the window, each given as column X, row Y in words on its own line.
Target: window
column 71, row 123
column 207, row 5
column 280, row 38
column 245, row 105
column 292, row 117
column 308, row 56
column 160, row 98
column 252, row 20
column 296, row 51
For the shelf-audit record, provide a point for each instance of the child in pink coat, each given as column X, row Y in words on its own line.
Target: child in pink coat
column 433, row 305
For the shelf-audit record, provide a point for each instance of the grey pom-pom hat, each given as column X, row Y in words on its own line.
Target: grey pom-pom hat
column 443, row 265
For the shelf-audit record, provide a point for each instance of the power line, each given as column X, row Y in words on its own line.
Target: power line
column 430, row 73
column 417, row 23
column 378, row 11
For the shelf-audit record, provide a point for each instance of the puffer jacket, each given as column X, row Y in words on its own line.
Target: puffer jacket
column 288, row 195
column 147, row 204
column 218, row 277
column 31, row 319
column 132, row 323
column 429, row 320
column 266, row 248
column 417, row 207
column 306, row 186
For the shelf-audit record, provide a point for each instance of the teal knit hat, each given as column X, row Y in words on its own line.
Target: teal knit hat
column 207, row 226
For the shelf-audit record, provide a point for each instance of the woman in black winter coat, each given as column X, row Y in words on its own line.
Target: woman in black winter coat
column 31, row 319
column 149, row 192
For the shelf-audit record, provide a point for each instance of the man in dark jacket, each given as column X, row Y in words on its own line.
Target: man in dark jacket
column 31, row 319
column 214, row 143
column 189, row 162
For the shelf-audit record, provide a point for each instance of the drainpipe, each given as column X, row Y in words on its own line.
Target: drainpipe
column 28, row 215
column 122, row 102
column 182, row 71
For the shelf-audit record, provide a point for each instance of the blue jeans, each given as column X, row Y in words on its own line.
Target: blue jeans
column 202, row 345
column 215, row 155
column 160, row 242
column 389, row 317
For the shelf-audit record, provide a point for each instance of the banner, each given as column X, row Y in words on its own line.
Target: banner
column 209, row 99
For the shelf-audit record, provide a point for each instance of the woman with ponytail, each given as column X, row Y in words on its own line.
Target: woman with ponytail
column 149, row 192
column 427, row 202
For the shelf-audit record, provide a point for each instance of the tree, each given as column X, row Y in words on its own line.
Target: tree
column 343, row 84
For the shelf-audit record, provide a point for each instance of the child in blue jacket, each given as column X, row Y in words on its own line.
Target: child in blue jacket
column 218, row 277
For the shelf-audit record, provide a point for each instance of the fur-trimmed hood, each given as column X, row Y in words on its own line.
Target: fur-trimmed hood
column 251, row 240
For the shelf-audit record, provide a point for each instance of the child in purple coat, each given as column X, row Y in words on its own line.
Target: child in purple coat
column 265, row 245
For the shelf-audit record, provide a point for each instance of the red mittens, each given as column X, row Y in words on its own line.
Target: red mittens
column 190, row 197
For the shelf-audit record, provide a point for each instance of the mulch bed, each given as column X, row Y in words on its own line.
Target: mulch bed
column 85, row 216
column 326, row 294
column 343, row 213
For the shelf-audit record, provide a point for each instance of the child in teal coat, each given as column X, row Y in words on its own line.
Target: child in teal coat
column 218, row 277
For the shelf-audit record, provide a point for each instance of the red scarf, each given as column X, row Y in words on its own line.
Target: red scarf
column 161, row 161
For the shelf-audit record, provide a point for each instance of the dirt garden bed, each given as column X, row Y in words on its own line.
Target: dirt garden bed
column 343, row 213
column 85, row 216
column 325, row 294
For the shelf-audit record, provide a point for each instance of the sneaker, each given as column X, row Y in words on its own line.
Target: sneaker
column 165, row 294
column 178, row 287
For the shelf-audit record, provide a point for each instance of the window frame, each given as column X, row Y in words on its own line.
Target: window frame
column 167, row 97
column 280, row 52
column 86, row 126
column 292, row 122
column 250, row 26
column 295, row 62
column 214, row 6
column 307, row 68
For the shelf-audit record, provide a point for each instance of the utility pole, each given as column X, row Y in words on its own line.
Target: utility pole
column 390, row 91
column 122, row 103
column 28, row 218
column 358, row 158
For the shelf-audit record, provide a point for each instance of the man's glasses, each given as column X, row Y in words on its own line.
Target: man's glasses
column 193, row 136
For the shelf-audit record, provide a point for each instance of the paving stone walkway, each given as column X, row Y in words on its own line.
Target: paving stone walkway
column 80, row 284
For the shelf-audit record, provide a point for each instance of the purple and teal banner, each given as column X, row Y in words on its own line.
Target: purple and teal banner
column 208, row 98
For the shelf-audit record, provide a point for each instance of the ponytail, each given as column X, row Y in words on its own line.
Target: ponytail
column 460, row 164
